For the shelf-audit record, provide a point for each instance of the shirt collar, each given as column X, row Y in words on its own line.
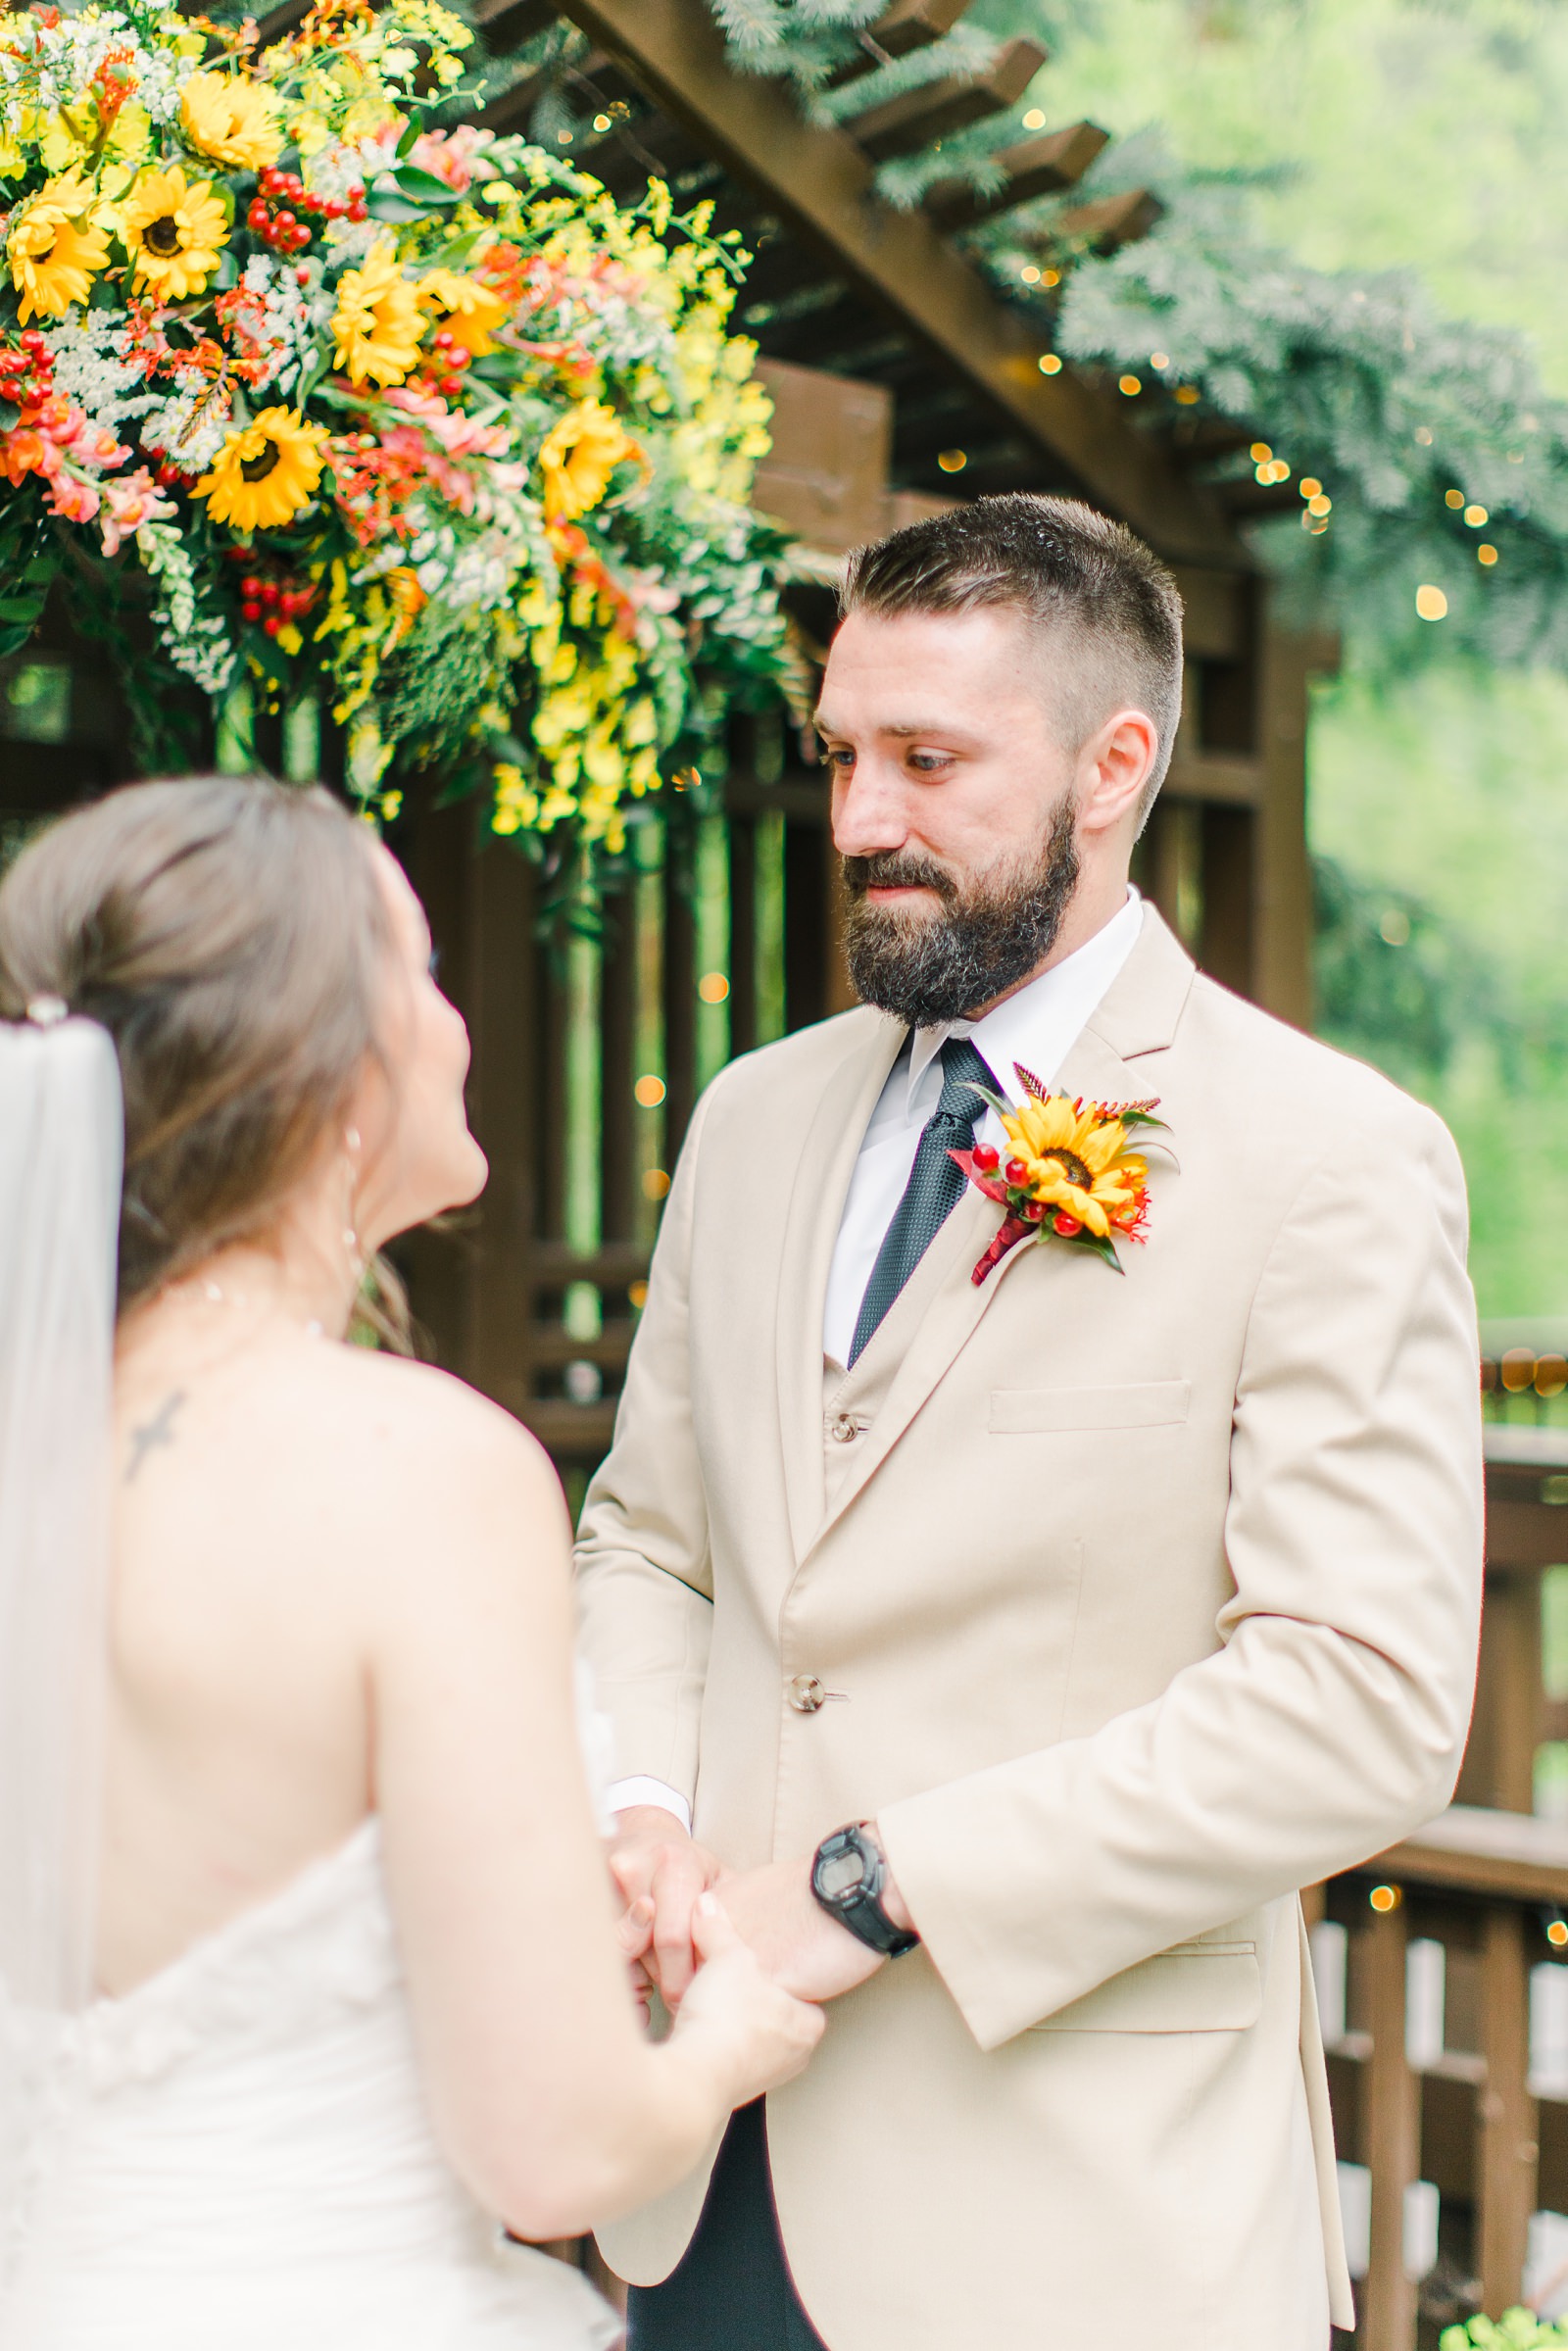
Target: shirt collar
column 1040, row 1023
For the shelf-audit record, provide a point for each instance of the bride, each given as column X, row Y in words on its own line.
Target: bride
column 309, row 1978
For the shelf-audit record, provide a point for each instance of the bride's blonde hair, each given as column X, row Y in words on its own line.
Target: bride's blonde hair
column 231, row 935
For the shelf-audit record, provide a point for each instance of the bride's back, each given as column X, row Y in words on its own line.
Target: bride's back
column 293, row 1092
column 339, row 1635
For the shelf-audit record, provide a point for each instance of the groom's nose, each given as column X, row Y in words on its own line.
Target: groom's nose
column 870, row 808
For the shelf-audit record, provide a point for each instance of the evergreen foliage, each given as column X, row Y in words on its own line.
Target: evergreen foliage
column 1354, row 378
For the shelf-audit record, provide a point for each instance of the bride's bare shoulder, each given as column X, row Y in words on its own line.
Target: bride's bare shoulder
column 404, row 1434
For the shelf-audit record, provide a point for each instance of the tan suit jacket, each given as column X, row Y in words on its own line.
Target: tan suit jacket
column 1142, row 1601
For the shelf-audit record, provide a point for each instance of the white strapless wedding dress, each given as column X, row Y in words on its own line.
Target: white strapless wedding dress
column 236, row 2157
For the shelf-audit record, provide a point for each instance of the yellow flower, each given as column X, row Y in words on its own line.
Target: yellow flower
column 377, row 321
column 472, row 311
column 264, row 472
column 234, row 121
column 176, row 233
column 56, row 247
column 1075, row 1164
column 580, row 457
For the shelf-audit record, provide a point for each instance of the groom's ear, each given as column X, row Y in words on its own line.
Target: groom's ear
column 1114, row 767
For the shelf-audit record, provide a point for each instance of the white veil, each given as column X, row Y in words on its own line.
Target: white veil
column 61, row 1139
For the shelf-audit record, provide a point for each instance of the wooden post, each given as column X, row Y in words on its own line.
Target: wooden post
column 1500, row 1764
column 1508, row 2122
column 1394, row 2135
column 509, row 1109
column 1283, row 923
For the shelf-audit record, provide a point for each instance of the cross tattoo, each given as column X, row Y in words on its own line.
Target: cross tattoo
column 160, row 1429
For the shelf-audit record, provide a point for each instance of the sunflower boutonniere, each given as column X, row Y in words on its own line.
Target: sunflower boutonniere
column 1069, row 1173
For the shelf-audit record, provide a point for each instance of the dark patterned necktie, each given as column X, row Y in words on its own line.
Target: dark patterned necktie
column 935, row 1186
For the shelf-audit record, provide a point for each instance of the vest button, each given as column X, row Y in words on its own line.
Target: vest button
column 805, row 1694
column 843, row 1428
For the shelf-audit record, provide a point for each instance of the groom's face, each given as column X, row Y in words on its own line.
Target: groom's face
column 954, row 807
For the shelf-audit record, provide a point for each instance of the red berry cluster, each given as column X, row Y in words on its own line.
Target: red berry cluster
column 449, row 358
column 282, row 197
column 271, row 602
column 26, row 369
column 986, row 1161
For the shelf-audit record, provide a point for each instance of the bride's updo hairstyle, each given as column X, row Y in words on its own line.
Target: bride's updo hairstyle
column 231, row 935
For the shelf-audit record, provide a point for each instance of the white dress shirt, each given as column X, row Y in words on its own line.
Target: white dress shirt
column 1038, row 1026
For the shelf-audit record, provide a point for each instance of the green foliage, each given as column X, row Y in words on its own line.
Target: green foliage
column 1357, row 382
column 1443, row 801
column 1517, row 2329
column 1354, row 378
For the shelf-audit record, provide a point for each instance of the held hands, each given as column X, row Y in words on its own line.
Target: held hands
column 662, row 1874
column 752, row 2032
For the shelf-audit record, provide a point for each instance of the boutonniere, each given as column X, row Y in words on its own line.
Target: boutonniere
column 1068, row 1174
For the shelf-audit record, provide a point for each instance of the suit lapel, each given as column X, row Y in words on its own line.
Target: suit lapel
column 1138, row 1016
column 823, row 1175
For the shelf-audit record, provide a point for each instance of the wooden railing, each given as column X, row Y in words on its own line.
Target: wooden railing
column 1443, row 1987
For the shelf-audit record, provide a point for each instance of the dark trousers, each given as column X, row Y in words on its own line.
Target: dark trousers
column 732, row 2291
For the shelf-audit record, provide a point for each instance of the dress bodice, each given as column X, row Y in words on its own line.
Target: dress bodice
column 238, row 2151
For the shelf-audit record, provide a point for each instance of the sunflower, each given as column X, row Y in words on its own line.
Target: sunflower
column 377, row 321
column 56, row 248
column 1073, row 1163
column 471, row 310
column 232, row 121
column 264, row 472
column 174, row 232
column 580, row 457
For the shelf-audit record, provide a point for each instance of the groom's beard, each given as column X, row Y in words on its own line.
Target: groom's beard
column 926, row 968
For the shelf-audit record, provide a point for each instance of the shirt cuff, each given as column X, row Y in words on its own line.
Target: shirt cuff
column 623, row 1793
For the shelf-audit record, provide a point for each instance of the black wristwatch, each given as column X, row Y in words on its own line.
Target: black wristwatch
column 848, row 1876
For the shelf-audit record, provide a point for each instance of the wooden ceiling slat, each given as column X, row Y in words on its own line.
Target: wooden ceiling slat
column 1038, row 167
column 902, row 125
column 820, row 182
column 1112, row 222
column 908, row 25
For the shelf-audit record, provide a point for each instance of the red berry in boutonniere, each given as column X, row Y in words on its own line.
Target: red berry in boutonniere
column 1071, row 1173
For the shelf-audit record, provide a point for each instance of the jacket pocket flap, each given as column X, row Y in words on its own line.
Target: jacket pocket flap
column 1018, row 1411
column 1193, row 1987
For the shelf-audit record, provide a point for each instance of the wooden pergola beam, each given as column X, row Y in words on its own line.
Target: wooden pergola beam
column 821, row 183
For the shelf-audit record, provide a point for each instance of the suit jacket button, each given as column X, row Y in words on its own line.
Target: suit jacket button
column 843, row 1428
column 805, row 1694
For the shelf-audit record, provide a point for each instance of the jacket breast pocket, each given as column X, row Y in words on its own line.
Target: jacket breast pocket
column 1192, row 1987
column 1025, row 1412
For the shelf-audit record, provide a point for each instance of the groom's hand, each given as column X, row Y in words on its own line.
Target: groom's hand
column 801, row 1947
column 655, row 1863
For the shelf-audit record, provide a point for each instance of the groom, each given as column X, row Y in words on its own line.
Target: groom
column 1009, row 1653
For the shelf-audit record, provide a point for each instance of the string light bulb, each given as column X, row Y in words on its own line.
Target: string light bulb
column 1485, row 554
column 1453, row 498
column 1476, row 517
column 1049, row 364
column 1130, row 386
column 1430, row 603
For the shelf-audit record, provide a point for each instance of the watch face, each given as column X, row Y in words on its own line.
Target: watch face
column 841, row 1873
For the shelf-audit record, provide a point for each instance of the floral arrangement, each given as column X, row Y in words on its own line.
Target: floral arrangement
column 1069, row 1172
column 413, row 420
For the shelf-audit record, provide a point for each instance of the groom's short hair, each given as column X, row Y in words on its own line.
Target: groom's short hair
column 1105, row 598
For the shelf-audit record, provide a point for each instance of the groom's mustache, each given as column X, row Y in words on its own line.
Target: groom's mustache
column 893, row 871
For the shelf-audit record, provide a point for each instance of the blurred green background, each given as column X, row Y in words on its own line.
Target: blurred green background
column 1423, row 134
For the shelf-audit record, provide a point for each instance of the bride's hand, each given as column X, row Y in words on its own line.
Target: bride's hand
column 753, row 2032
